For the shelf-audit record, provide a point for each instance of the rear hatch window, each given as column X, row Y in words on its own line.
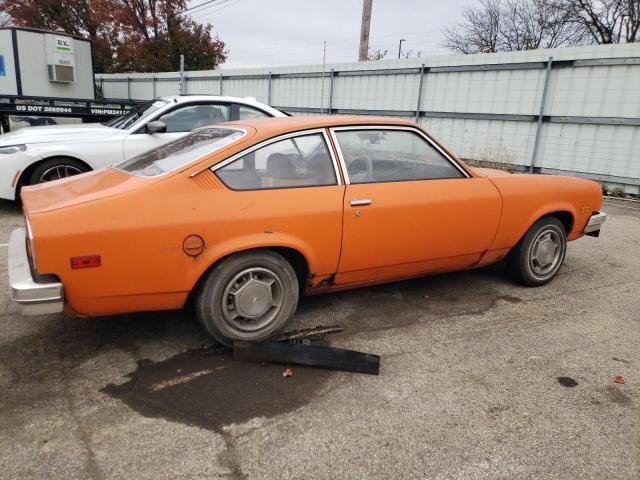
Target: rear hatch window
column 180, row 152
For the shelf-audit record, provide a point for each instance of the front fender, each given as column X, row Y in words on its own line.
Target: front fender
column 527, row 198
column 12, row 167
column 548, row 208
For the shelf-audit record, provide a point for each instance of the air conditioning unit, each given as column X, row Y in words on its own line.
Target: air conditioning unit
column 61, row 73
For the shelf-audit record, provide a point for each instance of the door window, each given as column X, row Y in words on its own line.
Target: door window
column 302, row 161
column 392, row 156
column 191, row 117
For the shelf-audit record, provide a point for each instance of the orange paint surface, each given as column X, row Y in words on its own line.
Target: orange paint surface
column 138, row 226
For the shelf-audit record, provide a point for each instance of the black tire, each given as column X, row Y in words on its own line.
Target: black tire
column 521, row 261
column 59, row 167
column 229, row 290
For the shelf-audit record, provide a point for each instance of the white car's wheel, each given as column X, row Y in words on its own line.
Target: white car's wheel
column 55, row 169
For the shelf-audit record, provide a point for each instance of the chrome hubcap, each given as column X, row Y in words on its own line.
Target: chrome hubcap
column 546, row 253
column 252, row 299
column 58, row 172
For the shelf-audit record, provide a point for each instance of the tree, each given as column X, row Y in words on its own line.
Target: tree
column 5, row 19
column 604, row 21
column 374, row 55
column 508, row 25
column 127, row 35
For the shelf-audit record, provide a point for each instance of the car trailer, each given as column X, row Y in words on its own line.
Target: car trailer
column 44, row 110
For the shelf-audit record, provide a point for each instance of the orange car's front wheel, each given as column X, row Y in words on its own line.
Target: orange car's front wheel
column 249, row 296
column 539, row 255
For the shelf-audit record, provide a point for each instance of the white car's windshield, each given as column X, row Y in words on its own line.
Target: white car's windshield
column 178, row 153
column 136, row 115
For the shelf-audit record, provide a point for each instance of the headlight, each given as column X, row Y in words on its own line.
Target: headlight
column 12, row 149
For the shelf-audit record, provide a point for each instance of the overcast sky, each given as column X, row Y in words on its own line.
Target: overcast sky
column 291, row 32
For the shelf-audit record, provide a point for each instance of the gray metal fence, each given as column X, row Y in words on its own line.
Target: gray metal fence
column 574, row 111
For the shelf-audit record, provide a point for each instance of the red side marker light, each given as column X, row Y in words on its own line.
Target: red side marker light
column 87, row 261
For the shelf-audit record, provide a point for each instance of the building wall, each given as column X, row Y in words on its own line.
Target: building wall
column 481, row 106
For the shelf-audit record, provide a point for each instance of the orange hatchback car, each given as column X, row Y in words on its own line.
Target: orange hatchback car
column 244, row 217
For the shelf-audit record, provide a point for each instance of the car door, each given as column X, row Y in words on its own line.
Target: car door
column 408, row 207
column 179, row 121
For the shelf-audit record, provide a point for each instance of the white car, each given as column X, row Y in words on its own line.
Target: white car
column 40, row 154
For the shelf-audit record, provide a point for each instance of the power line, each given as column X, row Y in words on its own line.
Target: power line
column 205, row 8
column 208, row 2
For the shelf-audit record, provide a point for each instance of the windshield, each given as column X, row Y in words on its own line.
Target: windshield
column 175, row 154
column 136, row 115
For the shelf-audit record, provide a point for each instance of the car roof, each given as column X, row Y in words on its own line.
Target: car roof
column 209, row 98
column 273, row 126
column 248, row 101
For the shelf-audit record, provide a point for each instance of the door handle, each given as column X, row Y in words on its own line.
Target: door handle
column 360, row 202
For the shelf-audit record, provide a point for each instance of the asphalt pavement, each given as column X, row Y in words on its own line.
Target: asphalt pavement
column 480, row 379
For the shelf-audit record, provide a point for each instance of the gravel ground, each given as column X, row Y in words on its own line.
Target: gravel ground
column 480, row 378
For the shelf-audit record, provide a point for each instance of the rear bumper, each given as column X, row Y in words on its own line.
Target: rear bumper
column 36, row 298
column 595, row 223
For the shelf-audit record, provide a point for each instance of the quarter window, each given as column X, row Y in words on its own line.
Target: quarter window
column 178, row 153
column 392, row 156
column 248, row 113
column 302, row 161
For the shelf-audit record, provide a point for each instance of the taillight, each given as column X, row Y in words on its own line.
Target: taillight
column 86, row 261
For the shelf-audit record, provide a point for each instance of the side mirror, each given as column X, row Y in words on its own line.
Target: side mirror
column 156, row 127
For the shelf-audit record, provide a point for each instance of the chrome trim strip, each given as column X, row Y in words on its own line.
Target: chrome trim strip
column 333, row 156
column 264, row 143
column 340, row 156
column 390, row 127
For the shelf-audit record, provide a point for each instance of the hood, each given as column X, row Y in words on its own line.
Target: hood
column 58, row 133
column 489, row 172
column 88, row 187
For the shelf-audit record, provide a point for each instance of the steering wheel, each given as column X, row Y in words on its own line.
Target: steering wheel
column 360, row 170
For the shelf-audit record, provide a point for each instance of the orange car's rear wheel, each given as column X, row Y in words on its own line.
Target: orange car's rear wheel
column 249, row 296
column 539, row 255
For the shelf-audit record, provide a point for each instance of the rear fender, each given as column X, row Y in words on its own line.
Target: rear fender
column 214, row 253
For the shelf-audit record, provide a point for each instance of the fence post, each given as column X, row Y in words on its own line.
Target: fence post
column 220, row 92
column 269, row 89
column 536, row 142
column 128, row 88
column 331, row 75
column 419, row 104
column 154, row 86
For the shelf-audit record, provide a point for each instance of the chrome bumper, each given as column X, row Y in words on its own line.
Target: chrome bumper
column 594, row 224
column 35, row 298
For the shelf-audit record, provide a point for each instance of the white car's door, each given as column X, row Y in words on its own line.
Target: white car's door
column 179, row 121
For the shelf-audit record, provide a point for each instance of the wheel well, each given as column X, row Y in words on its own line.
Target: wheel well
column 291, row 255
column 26, row 173
column 565, row 217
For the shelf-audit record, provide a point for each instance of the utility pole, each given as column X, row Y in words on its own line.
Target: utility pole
column 324, row 63
column 400, row 47
column 364, row 30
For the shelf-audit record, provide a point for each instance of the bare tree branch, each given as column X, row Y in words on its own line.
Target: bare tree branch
column 509, row 25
